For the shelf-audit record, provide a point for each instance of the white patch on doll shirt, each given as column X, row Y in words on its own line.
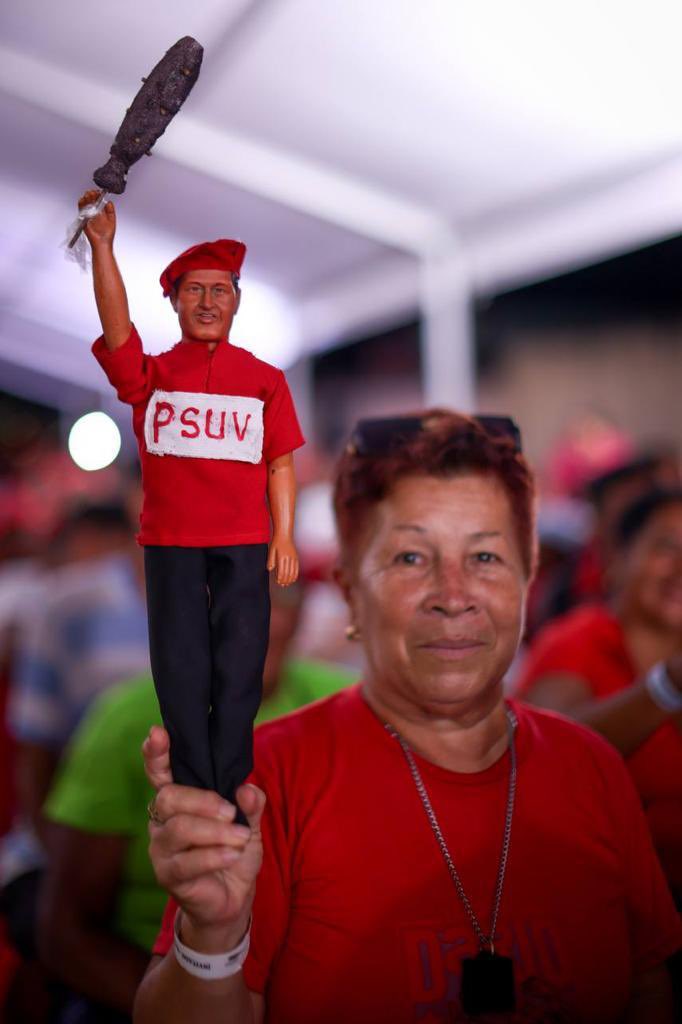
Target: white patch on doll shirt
column 204, row 426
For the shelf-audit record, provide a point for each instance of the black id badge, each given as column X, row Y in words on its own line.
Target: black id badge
column 488, row 984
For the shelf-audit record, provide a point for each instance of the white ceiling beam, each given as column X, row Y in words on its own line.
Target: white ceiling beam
column 614, row 218
column 239, row 30
column 256, row 167
column 367, row 299
column 516, row 251
column 50, row 351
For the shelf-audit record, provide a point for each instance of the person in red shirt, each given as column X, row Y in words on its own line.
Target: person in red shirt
column 582, row 576
column 602, row 664
column 216, row 429
column 428, row 851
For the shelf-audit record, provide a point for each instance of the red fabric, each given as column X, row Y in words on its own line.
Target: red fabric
column 203, row 502
column 588, row 582
column 356, row 917
column 9, row 964
column 589, row 642
column 223, row 254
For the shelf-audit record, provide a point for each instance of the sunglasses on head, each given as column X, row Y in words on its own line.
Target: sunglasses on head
column 382, row 436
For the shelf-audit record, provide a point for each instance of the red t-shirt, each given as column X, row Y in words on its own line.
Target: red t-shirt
column 356, row 917
column 207, row 424
column 589, row 642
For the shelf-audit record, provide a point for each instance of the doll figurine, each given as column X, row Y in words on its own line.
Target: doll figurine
column 216, row 430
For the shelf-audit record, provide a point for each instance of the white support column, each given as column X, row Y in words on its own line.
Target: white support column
column 447, row 340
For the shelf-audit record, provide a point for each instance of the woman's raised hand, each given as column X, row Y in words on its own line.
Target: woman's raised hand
column 200, row 856
column 101, row 228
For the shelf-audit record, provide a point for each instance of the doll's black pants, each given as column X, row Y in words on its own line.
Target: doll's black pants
column 209, row 615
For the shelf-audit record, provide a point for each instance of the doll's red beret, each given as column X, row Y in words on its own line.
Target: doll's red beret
column 223, row 254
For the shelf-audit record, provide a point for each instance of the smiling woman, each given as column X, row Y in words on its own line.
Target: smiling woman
column 405, row 864
column 440, row 601
column 441, row 597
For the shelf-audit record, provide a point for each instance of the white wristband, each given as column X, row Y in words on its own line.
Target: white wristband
column 210, row 967
column 662, row 690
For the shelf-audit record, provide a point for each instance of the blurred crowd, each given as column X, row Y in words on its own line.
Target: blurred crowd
column 79, row 905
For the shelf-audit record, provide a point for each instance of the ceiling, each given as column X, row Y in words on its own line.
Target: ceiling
column 345, row 142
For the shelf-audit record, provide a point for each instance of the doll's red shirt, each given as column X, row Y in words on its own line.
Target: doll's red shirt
column 207, row 425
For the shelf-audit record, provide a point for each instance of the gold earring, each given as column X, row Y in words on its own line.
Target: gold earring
column 352, row 633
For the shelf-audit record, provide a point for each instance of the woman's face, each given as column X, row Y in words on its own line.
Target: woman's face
column 437, row 589
column 651, row 575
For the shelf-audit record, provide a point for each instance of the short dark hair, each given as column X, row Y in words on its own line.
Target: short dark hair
column 101, row 515
column 597, row 490
column 639, row 512
column 450, row 444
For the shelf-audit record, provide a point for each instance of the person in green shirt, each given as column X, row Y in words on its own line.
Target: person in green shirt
column 290, row 683
column 101, row 905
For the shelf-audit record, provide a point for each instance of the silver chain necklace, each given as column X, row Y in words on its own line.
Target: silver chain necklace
column 485, row 941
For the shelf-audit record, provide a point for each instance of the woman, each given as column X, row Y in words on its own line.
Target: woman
column 427, row 852
column 618, row 667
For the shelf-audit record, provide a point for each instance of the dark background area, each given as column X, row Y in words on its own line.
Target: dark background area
column 641, row 286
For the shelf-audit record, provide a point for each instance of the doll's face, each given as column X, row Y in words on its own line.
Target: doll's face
column 206, row 302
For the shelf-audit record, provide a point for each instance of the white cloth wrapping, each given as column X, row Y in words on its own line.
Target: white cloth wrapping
column 80, row 252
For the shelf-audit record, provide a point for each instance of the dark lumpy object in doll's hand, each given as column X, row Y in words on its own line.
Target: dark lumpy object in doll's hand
column 162, row 94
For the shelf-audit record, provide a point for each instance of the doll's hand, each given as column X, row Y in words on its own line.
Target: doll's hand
column 283, row 559
column 99, row 230
column 199, row 855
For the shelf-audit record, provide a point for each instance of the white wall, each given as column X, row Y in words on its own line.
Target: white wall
column 634, row 374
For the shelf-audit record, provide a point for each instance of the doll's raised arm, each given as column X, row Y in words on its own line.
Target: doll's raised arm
column 110, row 293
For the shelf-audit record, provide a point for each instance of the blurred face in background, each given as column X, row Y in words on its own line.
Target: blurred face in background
column 664, row 472
column 649, row 572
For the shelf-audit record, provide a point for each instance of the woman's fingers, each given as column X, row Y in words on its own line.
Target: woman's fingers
column 194, row 834
column 204, row 803
column 251, row 799
column 186, row 831
column 156, row 754
column 192, row 864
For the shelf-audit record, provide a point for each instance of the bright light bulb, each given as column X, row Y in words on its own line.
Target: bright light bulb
column 94, row 441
